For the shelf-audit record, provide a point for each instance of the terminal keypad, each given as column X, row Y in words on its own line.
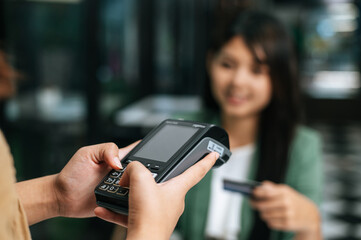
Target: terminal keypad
column 111, row 182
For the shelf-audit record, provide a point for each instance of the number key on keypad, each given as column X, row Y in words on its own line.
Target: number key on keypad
column 122, row 191
column 104, row 187
column 115, row 174
column 113, row 189
column 109, row 180
column 117, row 182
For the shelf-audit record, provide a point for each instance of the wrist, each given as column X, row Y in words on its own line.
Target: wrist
column 144, row 235
column 38, row 198
column 311, row 234
column 313, row 230
column 56, row 201
column 137, row 232
column 315, row 225
column 49, row 199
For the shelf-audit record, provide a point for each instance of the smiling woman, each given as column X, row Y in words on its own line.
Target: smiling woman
column 253, row 92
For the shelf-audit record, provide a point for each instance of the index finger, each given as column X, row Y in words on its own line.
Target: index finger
column 194, row 174
column 135, row 170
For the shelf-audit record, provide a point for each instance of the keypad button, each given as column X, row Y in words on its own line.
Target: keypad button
column 148, row 165
column 117, row 182
column 110, row 180
column 115, row 174
column 122, row 191
column 113, row 189
column 154, row 175
column 103, row 187
column 155, row 167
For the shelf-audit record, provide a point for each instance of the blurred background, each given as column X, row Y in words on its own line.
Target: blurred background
column 109, row 70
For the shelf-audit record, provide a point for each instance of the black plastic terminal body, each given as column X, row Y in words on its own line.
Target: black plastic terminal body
column 111, row 196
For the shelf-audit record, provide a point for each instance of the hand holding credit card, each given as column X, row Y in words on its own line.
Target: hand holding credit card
column 244, row 187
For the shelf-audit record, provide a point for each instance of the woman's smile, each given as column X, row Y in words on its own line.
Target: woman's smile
column 236, row 99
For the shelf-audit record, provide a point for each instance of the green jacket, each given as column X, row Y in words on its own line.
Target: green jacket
column 304, row 174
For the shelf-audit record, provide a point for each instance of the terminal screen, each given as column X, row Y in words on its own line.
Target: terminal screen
column 166, row 142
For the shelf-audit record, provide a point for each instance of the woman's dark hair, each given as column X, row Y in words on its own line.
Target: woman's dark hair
column 280, row 117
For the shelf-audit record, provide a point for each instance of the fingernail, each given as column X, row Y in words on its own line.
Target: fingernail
column 216, row 154
column 117, row 162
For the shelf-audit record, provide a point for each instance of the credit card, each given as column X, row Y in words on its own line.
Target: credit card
column 243, row 187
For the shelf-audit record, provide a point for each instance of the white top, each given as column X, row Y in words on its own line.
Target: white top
column 224, row 220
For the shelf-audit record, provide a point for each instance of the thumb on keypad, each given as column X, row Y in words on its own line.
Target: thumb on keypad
column 124, row 151
column 112, row 155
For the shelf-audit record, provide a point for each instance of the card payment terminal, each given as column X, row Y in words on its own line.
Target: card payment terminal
column 167, row 151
